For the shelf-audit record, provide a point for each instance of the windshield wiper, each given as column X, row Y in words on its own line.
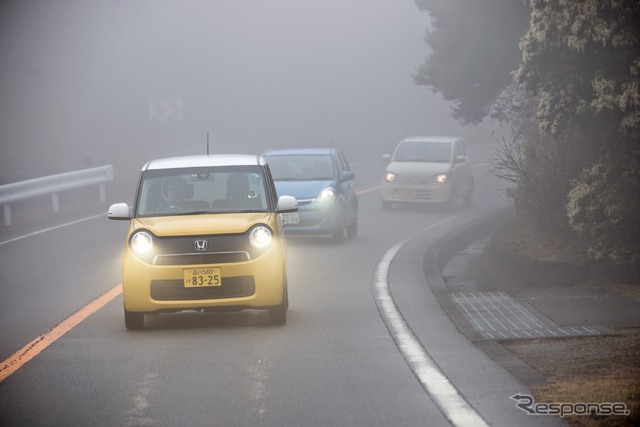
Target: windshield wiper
column 424, row 160
column 186, row 213
column 316, row 178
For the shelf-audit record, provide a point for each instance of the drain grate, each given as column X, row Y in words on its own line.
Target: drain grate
column 497, row 316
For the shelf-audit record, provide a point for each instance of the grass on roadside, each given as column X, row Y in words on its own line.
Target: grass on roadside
column 603, row 369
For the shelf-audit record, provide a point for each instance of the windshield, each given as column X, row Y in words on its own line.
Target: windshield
column 301, row 168
column 422, row 151
column 187, row 191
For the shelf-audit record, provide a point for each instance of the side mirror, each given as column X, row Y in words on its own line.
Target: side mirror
column 287, row 204
column 119, row 211
column 348, row 176
column 461, row 159
column 386, row 157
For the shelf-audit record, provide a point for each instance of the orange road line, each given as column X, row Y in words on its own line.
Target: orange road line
column 368, row 190
column 34, row 348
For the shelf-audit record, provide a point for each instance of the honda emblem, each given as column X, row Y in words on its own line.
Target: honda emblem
column 200, row 245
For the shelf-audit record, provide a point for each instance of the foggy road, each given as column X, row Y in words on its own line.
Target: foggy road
column 544, row 96
column 333, row 363
column 120, row 83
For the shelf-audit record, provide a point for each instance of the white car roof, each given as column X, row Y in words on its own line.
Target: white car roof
column 447, row 139
column 204, row 161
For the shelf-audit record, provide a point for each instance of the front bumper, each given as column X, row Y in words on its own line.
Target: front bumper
column 316, row 218
column 405, row 193
column 257, row 283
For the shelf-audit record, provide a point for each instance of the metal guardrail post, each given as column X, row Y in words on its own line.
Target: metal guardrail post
column 7, row 214
column 103, row 193
column 55, row 202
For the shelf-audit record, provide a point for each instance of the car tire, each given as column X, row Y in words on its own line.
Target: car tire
column 453, row 197
column 133, row 321
column 278, row 313
column 352, row 229
column 339, row 235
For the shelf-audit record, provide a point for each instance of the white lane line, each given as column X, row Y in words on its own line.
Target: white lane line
column 444, row 394
column 35, row 233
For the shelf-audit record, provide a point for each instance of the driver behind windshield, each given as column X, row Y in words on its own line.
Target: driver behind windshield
column 175, row 190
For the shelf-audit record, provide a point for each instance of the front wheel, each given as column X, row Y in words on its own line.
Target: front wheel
column 453, row 197
column 468, row 198
column 340, row 233
column 352, row 229
column 133, row 321
column 278, row 313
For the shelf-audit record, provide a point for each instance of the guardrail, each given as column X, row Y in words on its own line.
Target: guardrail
column 54, row 184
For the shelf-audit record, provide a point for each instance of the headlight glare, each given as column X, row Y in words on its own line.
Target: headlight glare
column 260, row 237
column 327, row 195
column 389, row 176
column 442, row 178
column 141, row 242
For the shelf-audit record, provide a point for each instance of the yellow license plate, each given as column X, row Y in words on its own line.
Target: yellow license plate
column 201, row 277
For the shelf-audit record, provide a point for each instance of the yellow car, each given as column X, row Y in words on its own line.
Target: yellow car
column 205, row 233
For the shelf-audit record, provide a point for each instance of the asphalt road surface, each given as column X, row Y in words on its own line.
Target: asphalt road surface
column 333, row 363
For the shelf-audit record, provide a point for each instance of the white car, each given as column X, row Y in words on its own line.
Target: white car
column 425, row 170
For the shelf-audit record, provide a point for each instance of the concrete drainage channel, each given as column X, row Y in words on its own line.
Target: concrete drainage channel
column 486, row 318
column 497, row 316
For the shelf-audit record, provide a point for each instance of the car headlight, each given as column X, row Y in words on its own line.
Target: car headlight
column 327, row 195
column 442, row 178
column 141, row 242
column 260, row 236
column 389, row 176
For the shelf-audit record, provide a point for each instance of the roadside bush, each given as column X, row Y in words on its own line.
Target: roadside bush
column 604, row 210
column 542, row 169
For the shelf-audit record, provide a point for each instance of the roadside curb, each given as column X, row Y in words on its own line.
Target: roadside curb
column 436, row 256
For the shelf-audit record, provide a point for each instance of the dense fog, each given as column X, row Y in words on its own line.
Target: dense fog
column 86, row 83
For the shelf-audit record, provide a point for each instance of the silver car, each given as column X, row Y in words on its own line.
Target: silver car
column 428, row 170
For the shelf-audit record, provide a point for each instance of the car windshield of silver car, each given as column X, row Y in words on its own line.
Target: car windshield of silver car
column 419, row 151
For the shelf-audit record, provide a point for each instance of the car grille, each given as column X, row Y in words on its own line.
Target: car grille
column 218, row 249
column 201, row 258
column 424, row 195
column 174, row 290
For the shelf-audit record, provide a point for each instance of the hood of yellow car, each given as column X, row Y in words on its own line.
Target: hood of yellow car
column 202, row 224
